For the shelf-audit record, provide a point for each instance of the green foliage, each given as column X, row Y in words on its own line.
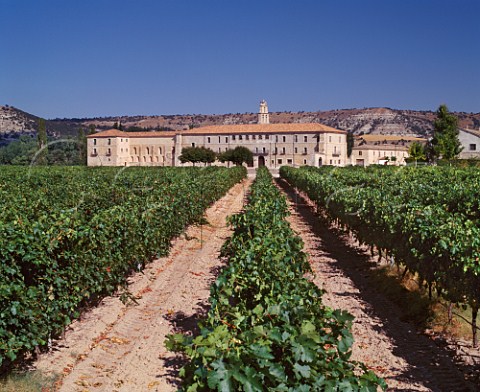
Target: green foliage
column 41, row 157
column 19, row 152
column 416, row 152
column 427, row 218
column 67, row 151
column 71, row 235
column 237, row 156
column 82, row 146
column 350, row 143
column 267, row 329
column 197, row 154
column 445, row 143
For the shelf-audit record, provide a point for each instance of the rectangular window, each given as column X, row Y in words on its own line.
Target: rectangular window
column 360, row 153
column 94, row 151
column 305, row 150
column 296, row 138
column 304, row 161
column 256, row 149
column 280, row 161
column 254, row 137
column 284, row 139
column 226, row 139
column 305, row 139
column 330, row 161
column 473, row 147
column 329, row 139
column 240, row 137
column 94, row 142
column 219, row 139
column 109, row 141
column 276, row 139
column 233, row 137
column 276, row 150
column 296, row 150
column 289, row 161
column 283, row 150
column 121, row 140
column 208, row 139
column 259, row 137
column 264, row 150
column 247, row 137
column 267, row 137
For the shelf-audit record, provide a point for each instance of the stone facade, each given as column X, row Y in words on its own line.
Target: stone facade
column 272, row 145
column 377, row 155
column 470, row 140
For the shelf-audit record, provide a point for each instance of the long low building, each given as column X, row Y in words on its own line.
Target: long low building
column 272, row 145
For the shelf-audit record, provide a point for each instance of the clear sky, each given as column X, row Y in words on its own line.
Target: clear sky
column 71, row 58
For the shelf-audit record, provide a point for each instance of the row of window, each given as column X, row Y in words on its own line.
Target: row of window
column 381, row 153
column 109, row 141
column 278, row 139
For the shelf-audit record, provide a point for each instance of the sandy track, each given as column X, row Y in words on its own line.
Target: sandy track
column 121, row 348
column 395, row 350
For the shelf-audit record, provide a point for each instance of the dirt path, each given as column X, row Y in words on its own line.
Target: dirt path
column 395, row 350
column 121, row 348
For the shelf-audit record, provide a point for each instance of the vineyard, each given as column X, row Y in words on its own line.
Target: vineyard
column 70, row 235
column 423, row 219
column 267, row 328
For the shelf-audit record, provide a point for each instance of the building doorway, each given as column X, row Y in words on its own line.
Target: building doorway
column 320, row 162
column 261, row 161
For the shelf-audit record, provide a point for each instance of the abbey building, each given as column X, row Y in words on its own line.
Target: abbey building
column 272, row 145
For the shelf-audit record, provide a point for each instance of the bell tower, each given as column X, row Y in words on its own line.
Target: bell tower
column 263, row 115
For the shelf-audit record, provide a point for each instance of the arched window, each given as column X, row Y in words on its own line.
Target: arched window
column 160, row 150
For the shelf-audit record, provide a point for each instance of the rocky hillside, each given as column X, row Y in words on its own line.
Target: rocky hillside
column 377, row 121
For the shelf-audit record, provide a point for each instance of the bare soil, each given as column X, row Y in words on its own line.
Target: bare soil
column 117, row 347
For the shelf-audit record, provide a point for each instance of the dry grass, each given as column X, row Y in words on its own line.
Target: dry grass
column 27, row 382
column 418, row 308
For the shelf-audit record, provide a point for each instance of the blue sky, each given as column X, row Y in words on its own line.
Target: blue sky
column 68, row 58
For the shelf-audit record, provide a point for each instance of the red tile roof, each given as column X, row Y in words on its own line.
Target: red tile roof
column 262, row 128
column 226, row 129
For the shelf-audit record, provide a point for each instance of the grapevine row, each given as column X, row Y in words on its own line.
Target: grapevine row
column 267, row 329
column 69, row 236
column 427, row 219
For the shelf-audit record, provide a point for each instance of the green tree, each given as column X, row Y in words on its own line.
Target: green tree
column 350, row 143
column 197, row 154
column 19, row 152
column 41, row 158
column 238, row 156
column 445, row 143
column 82, row 146
column 416, row 152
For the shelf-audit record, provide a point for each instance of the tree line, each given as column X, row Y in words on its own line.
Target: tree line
column 237, row 156
column 47, row 150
